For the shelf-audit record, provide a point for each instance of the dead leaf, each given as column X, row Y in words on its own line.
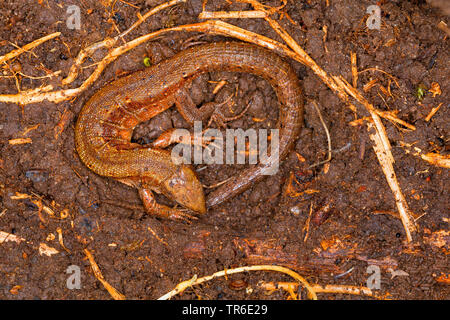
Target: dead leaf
column 435, row 89
column 440, row 239
column 47, row 250
column 395, row 273
column 5, row 237
column 443, row 278
column 15, row 290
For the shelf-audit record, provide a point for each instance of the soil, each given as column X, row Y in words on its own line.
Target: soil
column 348, row 205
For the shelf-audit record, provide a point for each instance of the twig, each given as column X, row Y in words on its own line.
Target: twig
column 390, row 116
column 388, row 169
column 109, row 43
column 382, row 71
column 382, row 149
column 98, row 274
column 5, row 237
column 61, row 240
column 332, row 288
column 157, row 237
column 437, row 159
column 433, row 112
column 431, row 157
column 252, row 14
column 20, row 141
column 343, row 90
column 216, row 184
column 307, row 223
column 194, row 280
column 28, row 47
column 150, row 13
column 329, row 288
column 328, row 138
column 354, row 69
column 443, row 26
column 210, row 26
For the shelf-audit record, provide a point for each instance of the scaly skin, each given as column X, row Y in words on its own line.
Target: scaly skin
column 106, row 122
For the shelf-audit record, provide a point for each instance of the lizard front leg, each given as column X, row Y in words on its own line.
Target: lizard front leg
column 162, row 211
column 151, row 206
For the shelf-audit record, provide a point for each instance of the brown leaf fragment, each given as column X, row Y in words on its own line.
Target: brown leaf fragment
column 439, row 239
column 444, row 278
column 15, row 290
column 435, row 89
column 266, row 251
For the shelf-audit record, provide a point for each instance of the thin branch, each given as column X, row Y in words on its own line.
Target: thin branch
column 28, row 47
column 194, row 280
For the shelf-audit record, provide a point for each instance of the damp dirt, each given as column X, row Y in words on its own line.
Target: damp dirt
column 329, row 223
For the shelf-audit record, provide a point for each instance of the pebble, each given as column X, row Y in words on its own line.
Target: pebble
column 37, row 175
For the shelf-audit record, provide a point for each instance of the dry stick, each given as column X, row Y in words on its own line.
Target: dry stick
column 345, row 289
column 20, row 141
column 210, row 26
column 383, row 151
column 50, row 75
column 252, row 14
column 435, row 159
column 82, row 55
column 301, row 55
column 307, row 223
column 98, row 274
column 433, row 112
column 390, row 116
column 214, row 27
column 5, row 236
column 194, row 280
column 443, row 26
column 388, row 170
column 328, row 137
column 150, row 13
column 382, row 146
column 329, row 288
column 109, row 43
column 28, row 47
column 157, row 237
column 354, row 69
column 221, row 28
column 226, row 29
column 382, row 71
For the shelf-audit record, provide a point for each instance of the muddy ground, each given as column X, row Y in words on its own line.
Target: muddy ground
column 352, row 210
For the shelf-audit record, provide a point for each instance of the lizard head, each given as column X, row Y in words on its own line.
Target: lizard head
column 185, row 188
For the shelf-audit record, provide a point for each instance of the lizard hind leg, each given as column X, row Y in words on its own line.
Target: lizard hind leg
column 210, row 111
column 189, row 111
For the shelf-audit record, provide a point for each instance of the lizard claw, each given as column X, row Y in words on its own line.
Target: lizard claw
column 162, row 211
column 181, row 215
